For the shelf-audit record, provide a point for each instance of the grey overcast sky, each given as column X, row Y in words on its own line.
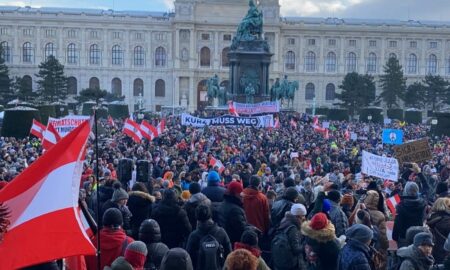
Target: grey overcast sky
column 374, row 9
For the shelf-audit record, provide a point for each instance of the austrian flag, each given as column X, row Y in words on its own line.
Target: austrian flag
column 392, row 203
column 37, row 129
column 214, row 162
column 133, row 130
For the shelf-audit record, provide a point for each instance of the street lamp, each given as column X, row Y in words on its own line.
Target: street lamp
column 369, row 118
column 434, row 122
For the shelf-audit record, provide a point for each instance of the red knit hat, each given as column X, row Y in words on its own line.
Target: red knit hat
column 318, row 221
column 136, row 254
column 234, row 188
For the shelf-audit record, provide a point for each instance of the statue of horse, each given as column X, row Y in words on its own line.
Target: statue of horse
column 293, row 87
column 213, row 87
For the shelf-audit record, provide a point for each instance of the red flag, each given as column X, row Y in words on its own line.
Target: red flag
column 50, row 137
column 161, row 127
column 392, row 203
column 43, row 201
column 231, row 109
column 214, row 162
column 132, row 129
column 193, row 141
column 319, row 129
column 111, row 122
column 347, row 135
column 37, row 129
column 148, row 131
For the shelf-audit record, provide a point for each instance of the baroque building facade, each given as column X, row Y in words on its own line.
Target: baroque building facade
column 163, row 59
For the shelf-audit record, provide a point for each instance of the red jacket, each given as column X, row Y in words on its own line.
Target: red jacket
column 256, row 207
column 112, row 245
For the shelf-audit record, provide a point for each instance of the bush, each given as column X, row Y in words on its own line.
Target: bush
column 118, row 110
column 375, row 112
column 47, row 111
column 17, row 121
column 443, row 124
column 413, row 117
column 395, row 114
column 336, row 114
column 87, row 108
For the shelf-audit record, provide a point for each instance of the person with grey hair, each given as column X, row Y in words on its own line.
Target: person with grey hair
column 410, row 212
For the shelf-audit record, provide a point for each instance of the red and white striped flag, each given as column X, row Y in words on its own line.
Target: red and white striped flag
column 148, row 130
column 37, row 129
column 161, row 127
column 347, row 135
column 193, row 141
column 132, row 129
column 43, row 200
column 319, row 129
column 392, row 203
column 214, row 162
column 50, row 137
column 231, row 109
column 111, row 122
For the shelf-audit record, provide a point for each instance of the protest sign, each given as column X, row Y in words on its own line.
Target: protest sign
column 257, row 108
column 263, row 121
column 378, row 166
column 415, row 151
column 353, row 136
column 326, row 124
column 67, row 124
column 392, row 136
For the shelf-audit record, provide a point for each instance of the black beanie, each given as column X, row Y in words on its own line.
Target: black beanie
column 194, row 188
column 289, row 182
column 442, row 187
column 291, row 194
column 249, row 237
column 202, row 212
column 112, row 218
column 335, row 196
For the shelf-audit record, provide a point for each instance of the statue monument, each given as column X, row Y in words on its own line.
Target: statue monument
column 217, row 96
column 284, row 91
column 249, row 58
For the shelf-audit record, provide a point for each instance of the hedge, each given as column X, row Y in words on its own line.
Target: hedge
column 413, row 117
column 395, row 114
column 18, row 120
column 47, row 111
column 118, row 110
column 336, row 114
column 375, row 112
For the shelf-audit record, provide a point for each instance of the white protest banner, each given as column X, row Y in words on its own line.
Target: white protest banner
column 387, row 121
column 263, row 121
column 326, row 124
column 378, row 166
column 68, row 123
column 257, row 108
column 353, row 136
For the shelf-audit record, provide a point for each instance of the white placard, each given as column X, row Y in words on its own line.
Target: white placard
column 378, row 166
column 67, row 124
column 353, row 136
column 326, row 124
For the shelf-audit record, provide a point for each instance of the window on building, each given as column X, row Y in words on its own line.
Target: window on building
column 159, row 36
column 393, row 44
column 310, row 61
column 331, row 62
column 160, row 57
column 50, row 32
column 117, row 35
column 311, row 42
column 227, row 37
column 4, row 31
column 27, row 52
column 291, row 41
column 433, row 44
column 117, row 55
column 330, row 92
column 116, row 87
column 310, row 91
column 352, row 43
column 72, row 54
column 372, row 43
column 49, row 49
column 94, row 83
column 160, row 88
column 93, row 34
column 372, row 63
column 413, row 44
column 138, row 87
column 205, row 57
column 332, row 42
column 412, row 64
column 94, row 55
column 205, row 36
column 27, row 32
column 290, row 60
column 72, row 86
column 351, row 62
column 392, row 55
column 225, row 60
column 139, row 56
column 72, row 33
column 5, row 51
column 432, row 64
column 138, row 36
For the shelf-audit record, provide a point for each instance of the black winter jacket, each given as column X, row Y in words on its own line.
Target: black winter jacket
column 410, row 212
column 232, row 218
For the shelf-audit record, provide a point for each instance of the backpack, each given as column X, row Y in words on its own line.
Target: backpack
column 211, row 253
column 282, row 256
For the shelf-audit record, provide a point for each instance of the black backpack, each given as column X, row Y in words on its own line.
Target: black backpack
column 211, row 252
column 282, row 256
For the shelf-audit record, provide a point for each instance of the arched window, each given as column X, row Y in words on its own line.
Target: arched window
column 290, row 60
column 116, row 87
column 372, row 63
column 432, row 64
column 330, row 92
column 94, row 55
column 160, row 57
column 117, row 55
column 138, row 87
column 310, row 91
column 27, row 52
column 49, row 49
column 412, row 64
column 351, row 62
column 72, row 86
column 392, row 55
column 310, row 61
column 27, row 83
column 160, row 88
column 71, row 54
column 139, row 56
column 5, row 51
column 225, row 61
column 94, row 83
column 331, row 62
column 205, row 57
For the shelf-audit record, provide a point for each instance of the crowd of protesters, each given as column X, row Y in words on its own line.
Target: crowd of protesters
column 286, row 198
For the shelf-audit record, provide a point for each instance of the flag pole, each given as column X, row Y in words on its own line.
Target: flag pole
column 97, row 189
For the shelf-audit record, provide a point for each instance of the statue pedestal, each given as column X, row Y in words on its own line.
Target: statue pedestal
column 216, row 102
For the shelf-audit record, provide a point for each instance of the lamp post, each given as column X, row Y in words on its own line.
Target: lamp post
column 369, row 118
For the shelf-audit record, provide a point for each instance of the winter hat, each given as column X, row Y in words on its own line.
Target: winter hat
column 185, row 195
column 202, row 212
column 149, row 231
column 249, row 237
column 326, row 206
column 194, row 188
column 318, row 221
column 423, row 239
column 213, row 177
column 176, row 259
column 120, row 263
column 335, row 196
column 136, row 254
column 411, row 189
column 235, row 188
column 291, row 194
column 359, row 232
column 112, row 218
column 298, row 209
column 119, row 193
column 447, row 243
column 289, row 182
column 412, row 232
column 442, row 188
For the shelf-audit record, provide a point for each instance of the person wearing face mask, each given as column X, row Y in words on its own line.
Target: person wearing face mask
column 418, row 256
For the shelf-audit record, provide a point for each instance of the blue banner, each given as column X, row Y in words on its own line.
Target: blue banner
column 392, row 136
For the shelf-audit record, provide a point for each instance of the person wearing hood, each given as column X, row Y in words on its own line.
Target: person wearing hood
column 150, row 234
column 439, row 223
column 410, row 212
column 206, row 226
column 176, row 259
column 172, row 219
column 249, row 241
column 377, row 218
column 280, row 207
column 140, row 205
column 213, row 190
column 113, row 237
column 356, row 253
column 195, row 200
column 119, row 200
column 133, row 259
column 337, row 216
column 418, row 256
column 256, row 205
column 231, row 212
